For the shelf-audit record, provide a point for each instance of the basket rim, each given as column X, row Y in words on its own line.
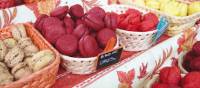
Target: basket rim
column 30, row 77
column 132, row 32
column 65, row 57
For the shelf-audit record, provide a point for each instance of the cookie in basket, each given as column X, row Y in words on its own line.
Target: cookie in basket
column 3, row 50
column 40, row 60
column 18, row 31
column 10, row 42
column 28, row 47
column 5, row 76
column 21, row 40
column 21, row 70
column 14, row 56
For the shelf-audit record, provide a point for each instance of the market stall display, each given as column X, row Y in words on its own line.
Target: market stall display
column 145, row 65
column 89, row 36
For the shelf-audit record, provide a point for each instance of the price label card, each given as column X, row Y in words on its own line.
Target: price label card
column 109, row 58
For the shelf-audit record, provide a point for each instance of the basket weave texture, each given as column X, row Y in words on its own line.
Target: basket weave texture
column 44, row 78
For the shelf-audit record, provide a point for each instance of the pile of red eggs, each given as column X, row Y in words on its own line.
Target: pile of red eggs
column 78, row 34
column 134, row 20
column 170, row 77
column 191, row 61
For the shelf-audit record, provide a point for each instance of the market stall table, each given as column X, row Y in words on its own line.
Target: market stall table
column 68, row 80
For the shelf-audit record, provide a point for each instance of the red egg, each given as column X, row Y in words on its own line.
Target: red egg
column 76, row 11
column 98, row 11
column 67, row 45
column 94, row 22
column 69, row 23
column 80, row 30
column 104, row 35
column 110, row 20
column 170, row 75
column 60, row 12
column 88, row 46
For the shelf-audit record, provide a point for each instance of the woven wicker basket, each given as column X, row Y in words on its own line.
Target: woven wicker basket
column 132, row 41
column 44, row 78
column 135, row 41
column 176, row 29
column 79, row 65
column 89, row 65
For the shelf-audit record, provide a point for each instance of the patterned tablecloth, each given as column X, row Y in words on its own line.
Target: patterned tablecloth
column 141, row 65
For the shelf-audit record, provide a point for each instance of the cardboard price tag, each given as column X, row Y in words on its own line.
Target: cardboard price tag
column 109, row 58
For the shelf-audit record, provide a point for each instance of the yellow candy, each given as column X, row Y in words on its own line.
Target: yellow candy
column 183, row 9
column 194, row 7
column 153, row 4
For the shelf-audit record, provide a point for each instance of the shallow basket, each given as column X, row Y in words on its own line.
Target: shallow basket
column 135, row 41
column 79, row 65
column 132, row 41
column 43, row 78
